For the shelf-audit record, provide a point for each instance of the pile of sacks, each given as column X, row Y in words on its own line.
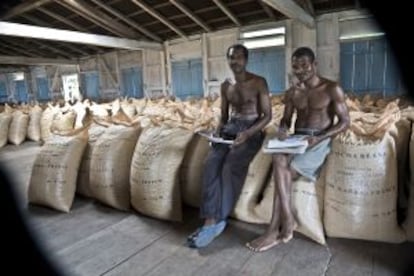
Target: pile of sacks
column 144, row 154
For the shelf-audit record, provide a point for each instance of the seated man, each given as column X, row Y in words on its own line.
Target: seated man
column 316, row 101
column 247, row 102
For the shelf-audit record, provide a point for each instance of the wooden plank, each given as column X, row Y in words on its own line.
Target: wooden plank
column 303, row 255
column 105, row 249
column 35, row 61
column 24, row 7
column 292, row 10
column 23, row 30
column 87, row 220
column 159, row 17
column 148, row 258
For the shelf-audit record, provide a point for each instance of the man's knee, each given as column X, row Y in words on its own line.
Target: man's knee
column 280, row 161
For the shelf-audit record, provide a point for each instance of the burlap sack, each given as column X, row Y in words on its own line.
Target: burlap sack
column 18, row 127
column 82, row 187
column 155, row 190
column 5, row 120
column 53, row 179
column 409, row 222
column 110, row 166
column 33, row 129
column 256, row 179
column 191, row 170
column 401, row 134
column 307, row 206
column 361, row 189
column 46, row 121
column 63, row 121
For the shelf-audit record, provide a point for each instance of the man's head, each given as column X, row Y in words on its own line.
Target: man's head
column 237, row 56
column 303, row 63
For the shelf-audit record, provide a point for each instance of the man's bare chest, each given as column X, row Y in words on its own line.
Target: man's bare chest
column 242, row 93
column 310, row 99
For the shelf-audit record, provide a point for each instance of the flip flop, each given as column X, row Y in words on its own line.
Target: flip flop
column 206, row 234
column 263, row 248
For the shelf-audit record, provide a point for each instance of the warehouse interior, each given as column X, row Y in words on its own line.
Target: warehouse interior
column 157, row 65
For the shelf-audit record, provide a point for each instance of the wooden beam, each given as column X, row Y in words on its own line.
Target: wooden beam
column 67, row 22
column 63, row 19
column 24, row 7
column 292, row 10
column 34, row 61
column 161, row 18
column 101, row 19
column 128, row 21
column 309, row 7
column 190, row 14
column 267, row 10
column 44, row 24
column 17, row 49
column 23, row 30
column 227, row 12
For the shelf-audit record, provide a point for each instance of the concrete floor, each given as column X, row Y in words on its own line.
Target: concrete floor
column 97, row 240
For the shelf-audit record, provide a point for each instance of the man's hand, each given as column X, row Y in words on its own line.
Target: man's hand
column 281, row 134
column 241, row 138
column 313, row 140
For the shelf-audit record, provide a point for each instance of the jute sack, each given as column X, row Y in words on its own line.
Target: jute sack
column 53, row 179
column 409, row 222
column 46, row 121
column 361, row 189
column 254, row 184
column 110, row 166
column 82, row 186
column 307, row 206
column 18, row 127
column 401, row 134
column 191, row 170
column 155, row 189
column 33, row 129
column 5, row 120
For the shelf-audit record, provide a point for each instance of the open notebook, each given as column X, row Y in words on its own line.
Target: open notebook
column 295, row 144
column 209, row 136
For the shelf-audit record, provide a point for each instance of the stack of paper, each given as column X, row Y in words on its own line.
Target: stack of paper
column 295, row 144
column 215, row 139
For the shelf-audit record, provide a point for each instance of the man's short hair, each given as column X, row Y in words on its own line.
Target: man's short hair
column 304, row 51
column 238, row 47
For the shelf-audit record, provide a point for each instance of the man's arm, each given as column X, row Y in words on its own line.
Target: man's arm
column 265, row 116
column 341, row 111
column 224, row 116
column 286, row 121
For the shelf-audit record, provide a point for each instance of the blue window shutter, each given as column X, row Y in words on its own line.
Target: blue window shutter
column 42, row 89
column 3, row 92
column 369, row 66
column 270, row 64
column 90, row 84
column 21, row 91
column 132, row 82
column 187, row 78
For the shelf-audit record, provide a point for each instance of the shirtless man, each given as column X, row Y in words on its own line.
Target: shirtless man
column 245, row 111
column 317, row 101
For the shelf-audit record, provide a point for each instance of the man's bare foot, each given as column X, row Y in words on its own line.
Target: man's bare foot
column 287, row 230
column 264, row 242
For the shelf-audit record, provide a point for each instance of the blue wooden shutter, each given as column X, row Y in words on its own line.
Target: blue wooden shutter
column 187, row 78
column 90, row 85
column 42, row 89
column 21, row 91
column 368, row 66
column 270, row 64
column 3, row 92
column 132, row 82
